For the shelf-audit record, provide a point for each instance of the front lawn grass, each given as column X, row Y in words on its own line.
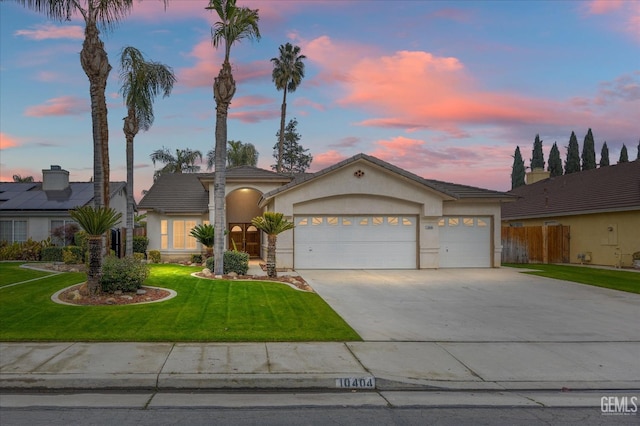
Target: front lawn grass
column 11, row 272
column 203, row 311
column 607, row 278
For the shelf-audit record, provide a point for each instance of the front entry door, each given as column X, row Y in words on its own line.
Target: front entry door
column 246, row 238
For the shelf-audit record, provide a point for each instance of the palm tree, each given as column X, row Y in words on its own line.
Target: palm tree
column 288, row 72
column 272, row 224
column 141, row 82
column 97, row 14
column 183, row 162
column 236, row 23
column 238, row 154
column 204, row 234
column 20, row 179
column 95, row 222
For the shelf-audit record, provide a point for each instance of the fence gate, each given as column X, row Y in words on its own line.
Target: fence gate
column 535, row 244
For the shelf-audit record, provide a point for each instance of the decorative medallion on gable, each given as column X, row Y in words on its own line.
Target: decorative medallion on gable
column 358, row 173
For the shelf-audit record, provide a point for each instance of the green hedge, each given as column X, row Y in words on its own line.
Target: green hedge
column 52, row 254
column 140, row 244
column 234, row 261
column 126, row 274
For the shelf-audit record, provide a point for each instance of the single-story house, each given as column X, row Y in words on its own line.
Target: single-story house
column 601, row 207
column 359, row 213
column 34, row 209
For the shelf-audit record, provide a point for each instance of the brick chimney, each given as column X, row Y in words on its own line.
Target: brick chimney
column 55, row 179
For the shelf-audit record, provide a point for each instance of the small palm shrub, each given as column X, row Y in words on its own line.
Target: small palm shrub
column 196, row 258
column 126, row 274
column 234, row 261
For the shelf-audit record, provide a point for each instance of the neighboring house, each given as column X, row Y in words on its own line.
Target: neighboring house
column 359, row 213
column 601, row 207
column 34, row 209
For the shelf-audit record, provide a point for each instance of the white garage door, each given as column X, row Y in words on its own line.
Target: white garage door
column 355, row 242
column 465, row 242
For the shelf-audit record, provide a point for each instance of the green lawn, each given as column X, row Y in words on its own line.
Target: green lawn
column 11, row 272
column 204, row 310
column 607, row 278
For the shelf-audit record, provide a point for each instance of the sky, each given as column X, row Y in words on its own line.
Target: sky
column 444, row 89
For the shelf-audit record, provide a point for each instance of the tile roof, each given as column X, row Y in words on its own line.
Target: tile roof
column 16, row 196
column 176, row 193
column 451, row 190
column 605, row 189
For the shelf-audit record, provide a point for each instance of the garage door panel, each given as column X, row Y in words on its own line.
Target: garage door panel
column 355, row 242
column 465, row 242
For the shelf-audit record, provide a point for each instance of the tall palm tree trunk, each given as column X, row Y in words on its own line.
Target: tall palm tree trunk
column 131, row 128
column 96, row 66
column 94, row 273
column 224, row 87
column 283, row 114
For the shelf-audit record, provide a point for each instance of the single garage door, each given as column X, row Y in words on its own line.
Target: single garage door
column 465, row 242
column 355, row 242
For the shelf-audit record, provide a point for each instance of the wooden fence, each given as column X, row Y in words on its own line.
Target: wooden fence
column 535, row 244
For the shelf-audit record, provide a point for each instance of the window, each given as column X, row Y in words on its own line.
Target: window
column 467, row 221
column 364, row 221
column 13, row 231
column 181, row 234
column 346, row 221
column 332, row 221
column 441, row 222
column 454, row 221
column 406, row 221
column 392, row 220
column 303, row 221
column 164, row 234
column 482, row 223
column 62, row 231
column 316, row 221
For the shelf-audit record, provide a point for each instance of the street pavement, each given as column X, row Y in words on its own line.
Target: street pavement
column 418, row 366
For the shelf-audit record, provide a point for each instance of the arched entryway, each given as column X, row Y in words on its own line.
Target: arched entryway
column 242, row 206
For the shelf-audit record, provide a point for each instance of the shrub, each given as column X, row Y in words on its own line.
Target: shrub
column 10, row 251
column 52, row 254
column 126, row 274
column 234, row 261
column 154, row 256
column 29, row 250
column 140, row 244
column 139, row 256
column 196, row 258
column 72, row 255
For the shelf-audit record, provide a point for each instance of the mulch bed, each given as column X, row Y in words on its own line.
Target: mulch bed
column 79, row 295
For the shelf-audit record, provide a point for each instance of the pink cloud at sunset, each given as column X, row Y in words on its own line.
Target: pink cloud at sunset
column 207, row 66
column 598, row 7
column 326, row 159
column 52, row 32
column 64, row 105
column 254, row 116
column 625, row 14
column 8, row 141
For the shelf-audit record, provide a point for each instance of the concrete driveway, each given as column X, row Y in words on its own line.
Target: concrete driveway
column 476, row 305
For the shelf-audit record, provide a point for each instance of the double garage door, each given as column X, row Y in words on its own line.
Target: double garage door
column 387, row 242
column 355, row 242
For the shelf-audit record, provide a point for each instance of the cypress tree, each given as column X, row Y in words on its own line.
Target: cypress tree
column 624, row 155
column 517, row 170
column 555, row 163
column 604, row 155
column 588, row 152
column 572, row 165
column 537, row 162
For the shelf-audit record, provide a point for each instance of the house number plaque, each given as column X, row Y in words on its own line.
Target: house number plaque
column 356, row 382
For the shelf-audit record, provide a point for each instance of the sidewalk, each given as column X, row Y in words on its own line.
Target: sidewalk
column 384, row 366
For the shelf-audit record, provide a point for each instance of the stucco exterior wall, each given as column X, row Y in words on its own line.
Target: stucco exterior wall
column 610, row 238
